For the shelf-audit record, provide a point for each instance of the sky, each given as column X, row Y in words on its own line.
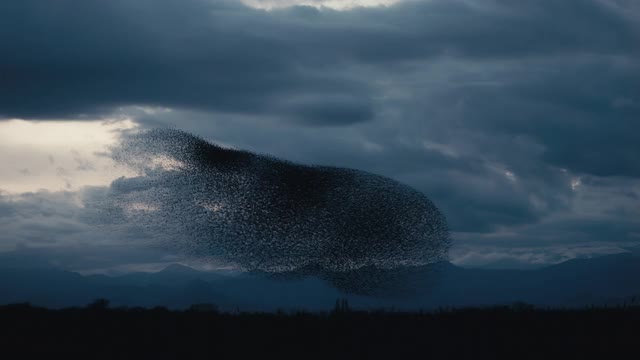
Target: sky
column 519, row 119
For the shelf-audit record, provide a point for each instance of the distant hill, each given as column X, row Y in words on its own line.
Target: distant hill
column 612, row 279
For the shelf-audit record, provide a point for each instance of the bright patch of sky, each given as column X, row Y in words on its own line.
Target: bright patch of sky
column 58, row 155
column 332, row 4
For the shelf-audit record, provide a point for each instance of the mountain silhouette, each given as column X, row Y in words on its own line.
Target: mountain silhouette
column 606, row 280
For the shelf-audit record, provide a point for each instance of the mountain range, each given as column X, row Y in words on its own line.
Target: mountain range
column 607, row 280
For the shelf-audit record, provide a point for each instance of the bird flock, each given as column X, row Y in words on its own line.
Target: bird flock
column 262, row 214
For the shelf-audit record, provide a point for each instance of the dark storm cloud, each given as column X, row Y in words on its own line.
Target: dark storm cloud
column 473, row 29
column 64, row 57
column 331, row 110
column 69, row 58
column 584, row 111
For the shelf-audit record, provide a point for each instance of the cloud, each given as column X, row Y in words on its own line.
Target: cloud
column 60, row 229
column 516, row 118
column 531, row 257
column 328, row 110
column 66, row 58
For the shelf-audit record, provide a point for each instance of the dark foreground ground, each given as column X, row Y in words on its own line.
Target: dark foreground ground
column 515, row 332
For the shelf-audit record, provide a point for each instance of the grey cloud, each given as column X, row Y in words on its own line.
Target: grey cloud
column 473, row 29
column 66, row 58
column 72, row 59
column 447, row 96
column 38, row 218
column 45, row 229
column 530, row 257
column 576, row 113
column 57, row 228
column 86, row 258
column 563, row 74
column 5, row 210
column 331, row 111
column 584, row 112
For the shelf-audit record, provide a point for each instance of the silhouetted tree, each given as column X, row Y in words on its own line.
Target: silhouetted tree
column 99, row 304
column 211, row 308
column 341, row 306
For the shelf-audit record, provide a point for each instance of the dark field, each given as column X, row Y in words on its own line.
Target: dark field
column 515, row 332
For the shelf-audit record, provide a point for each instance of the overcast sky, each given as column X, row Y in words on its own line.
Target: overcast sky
column 519, row 119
